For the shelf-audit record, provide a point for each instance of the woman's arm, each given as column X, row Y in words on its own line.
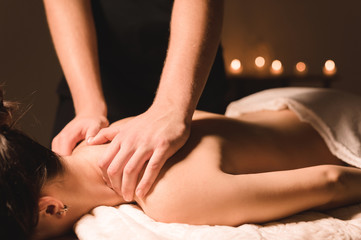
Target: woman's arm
column 73, row 32
column 164, row 128
column 216, row 198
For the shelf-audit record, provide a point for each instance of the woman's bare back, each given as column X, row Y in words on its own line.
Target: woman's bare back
column 256, row 142
column 196, row 182
column 256, row 168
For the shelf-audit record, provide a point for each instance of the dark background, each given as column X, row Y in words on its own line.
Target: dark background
column 291, row 31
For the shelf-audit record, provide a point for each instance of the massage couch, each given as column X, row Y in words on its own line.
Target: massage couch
column 335, row 115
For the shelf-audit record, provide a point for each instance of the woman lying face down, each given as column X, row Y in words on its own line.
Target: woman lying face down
column 259, row 167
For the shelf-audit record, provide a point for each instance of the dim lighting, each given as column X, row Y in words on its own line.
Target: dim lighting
column 260, row 61
column 276, row 67
column 330, row 65
column 301, row 68
column 236, row 66
column 329, row 68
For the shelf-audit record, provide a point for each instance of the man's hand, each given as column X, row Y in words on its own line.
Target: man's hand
column 73, row 32
column 153, row 136
column 80, row 128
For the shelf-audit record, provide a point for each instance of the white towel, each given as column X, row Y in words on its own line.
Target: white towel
column 334, row 114
column 129, row 223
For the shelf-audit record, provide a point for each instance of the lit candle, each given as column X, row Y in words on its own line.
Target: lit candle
column 329, row 68
column 260, row 62
column 236, row 66
column 301, row 68
column 276, row 67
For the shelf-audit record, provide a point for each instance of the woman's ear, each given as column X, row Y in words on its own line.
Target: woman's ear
column 51, row 206
column 52, row 219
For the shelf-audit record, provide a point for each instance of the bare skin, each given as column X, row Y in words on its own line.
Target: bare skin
column 261, row 167
column 159, row 132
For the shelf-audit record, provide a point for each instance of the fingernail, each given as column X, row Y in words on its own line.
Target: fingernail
column 127, row 198
column 89, row 139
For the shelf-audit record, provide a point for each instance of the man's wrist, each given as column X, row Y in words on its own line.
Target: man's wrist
column 92, row 109
column 179, row 110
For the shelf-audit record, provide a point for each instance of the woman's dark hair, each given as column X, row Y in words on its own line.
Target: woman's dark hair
column 25, row 165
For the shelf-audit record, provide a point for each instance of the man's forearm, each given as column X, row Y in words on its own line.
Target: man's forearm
column 72, row 28
column 194, row 39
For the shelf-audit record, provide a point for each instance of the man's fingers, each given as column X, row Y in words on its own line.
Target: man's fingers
column 131, row 172
column 103, row 136
column 78, row 129
column 115, row 158
column 111, row 151
column 152, row 170
column 92, row 131
column 64, row 143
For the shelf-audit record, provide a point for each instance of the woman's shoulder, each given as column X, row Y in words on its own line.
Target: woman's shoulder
column 83, row 150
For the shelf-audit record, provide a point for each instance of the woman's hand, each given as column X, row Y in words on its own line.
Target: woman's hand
column 146, row 140
column 80, row 128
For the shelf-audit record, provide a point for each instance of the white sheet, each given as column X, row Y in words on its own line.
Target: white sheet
column 127, row 222
column 322, row 109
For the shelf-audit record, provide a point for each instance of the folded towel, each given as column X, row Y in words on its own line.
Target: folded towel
column 335, row 115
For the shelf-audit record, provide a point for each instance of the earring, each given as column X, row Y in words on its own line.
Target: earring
column 64, row 210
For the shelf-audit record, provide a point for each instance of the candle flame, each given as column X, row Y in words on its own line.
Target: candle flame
column 236, row 65
column 329, row 67
column 276, row 65
column 260, row 61
column 301, row 67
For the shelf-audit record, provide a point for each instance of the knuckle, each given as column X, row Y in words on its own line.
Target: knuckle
column 146, row 182
column 102, row 132
column 155, row 166
column 104, row 123
column 163, row 144
column 129, row 170
column 93, row 129
column 112, row 172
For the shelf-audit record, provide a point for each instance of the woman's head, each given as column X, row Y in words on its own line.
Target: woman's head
column 25, row 166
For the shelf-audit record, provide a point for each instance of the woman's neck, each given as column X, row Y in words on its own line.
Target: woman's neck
column 83, row 187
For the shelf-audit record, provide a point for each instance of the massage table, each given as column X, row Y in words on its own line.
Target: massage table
column 335, row 115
